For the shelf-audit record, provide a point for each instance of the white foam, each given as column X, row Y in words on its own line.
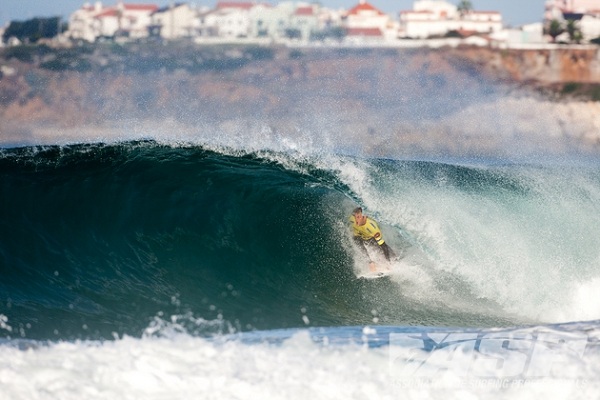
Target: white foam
column 512, row 127
column 4, row 323
column 530, row 250
column 187, row 367
column 586, row 302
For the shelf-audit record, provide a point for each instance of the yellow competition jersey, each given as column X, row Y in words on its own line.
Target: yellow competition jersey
column 368, row 231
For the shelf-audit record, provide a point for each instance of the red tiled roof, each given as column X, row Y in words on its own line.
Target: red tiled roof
column 113, row 11
column 234, row 4
column 304, row 11
column 373, row 32
column 363, row 7
column 140, row 7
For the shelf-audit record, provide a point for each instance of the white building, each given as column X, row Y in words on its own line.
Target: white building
column 82, row 24
column 439, row 9
column 590, row 26
column 572, row 6
column 229, row 19
column 480, row 21
column 175, row 21
column 91, row 22
column 305, row 19
column 530, row 34
column 131, row 20
column 286, row 20
column 271, row 21
column 364, row 22
column 437, row 17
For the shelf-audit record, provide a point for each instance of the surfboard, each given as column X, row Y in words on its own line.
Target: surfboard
column 374, row 274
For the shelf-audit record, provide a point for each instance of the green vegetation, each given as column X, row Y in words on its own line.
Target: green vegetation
column 138, row 57
column 67, row 61
column 579, row 90
column 574, row 32
column 453, row 34
column 32, row 30
column 296, row 54
column 555, row 29
column 26, row 53
column 570, row 87
column 464, row 6
column 595, row 93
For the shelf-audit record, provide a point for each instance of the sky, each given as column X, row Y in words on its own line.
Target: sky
column 514, row 12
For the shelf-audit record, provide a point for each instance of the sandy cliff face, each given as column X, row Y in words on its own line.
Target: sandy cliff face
column 541, row 66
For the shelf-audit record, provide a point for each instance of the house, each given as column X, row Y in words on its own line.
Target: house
column 430, row 18
column 229, row 19
column 427, row 18
column 82, row 24
column 480, row 21
column 364, row 22
column 271, row 21
column 305, row 20
column 93, row 21
column 525, row 36
column 590, row 25
column 174, row 21
column 574, row 6
column 586, row 13
column 529, row 34
column 286, row 20
column 130, row 20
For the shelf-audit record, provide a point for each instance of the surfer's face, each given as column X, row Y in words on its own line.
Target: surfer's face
column 360, row 218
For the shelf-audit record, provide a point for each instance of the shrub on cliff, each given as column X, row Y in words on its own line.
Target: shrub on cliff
column 27, row 53
column 72, row 59
column 67, row 64
column 595, row 93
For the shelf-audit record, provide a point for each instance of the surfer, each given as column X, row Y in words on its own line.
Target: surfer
column 366, row 232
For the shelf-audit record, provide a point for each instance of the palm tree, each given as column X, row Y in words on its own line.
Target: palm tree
column 464, row 6
column 574, row 31
column 555, row 29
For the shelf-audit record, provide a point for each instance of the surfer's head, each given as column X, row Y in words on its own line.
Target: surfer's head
column 358, row 216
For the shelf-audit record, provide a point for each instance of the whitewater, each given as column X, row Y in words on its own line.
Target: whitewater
column 159, row 261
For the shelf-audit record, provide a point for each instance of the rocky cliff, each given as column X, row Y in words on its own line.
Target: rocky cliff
column 559, row 65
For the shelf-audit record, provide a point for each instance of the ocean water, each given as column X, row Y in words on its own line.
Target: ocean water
column 165, row 269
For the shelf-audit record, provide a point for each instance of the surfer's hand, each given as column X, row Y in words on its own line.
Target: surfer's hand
column 372, row 266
